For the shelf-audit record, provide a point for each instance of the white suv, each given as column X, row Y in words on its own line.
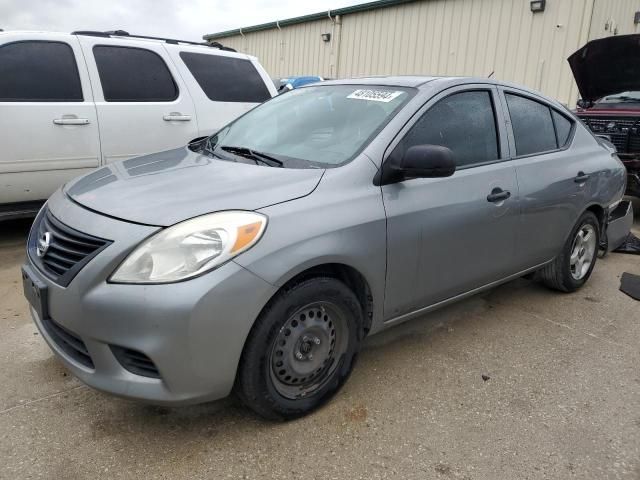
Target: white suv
column 72, row 102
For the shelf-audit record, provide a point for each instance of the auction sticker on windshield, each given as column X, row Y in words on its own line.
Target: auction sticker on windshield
column 375, row 95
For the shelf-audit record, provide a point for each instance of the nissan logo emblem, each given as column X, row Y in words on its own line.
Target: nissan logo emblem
column 43, row 244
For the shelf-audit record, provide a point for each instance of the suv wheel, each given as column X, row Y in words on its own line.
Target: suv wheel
column 572, row 268
column 301, row 349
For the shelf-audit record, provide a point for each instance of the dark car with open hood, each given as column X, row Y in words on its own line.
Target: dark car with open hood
column 607, row 72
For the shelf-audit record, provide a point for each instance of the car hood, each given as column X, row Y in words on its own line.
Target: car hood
column 607, row 66
column 168, row 187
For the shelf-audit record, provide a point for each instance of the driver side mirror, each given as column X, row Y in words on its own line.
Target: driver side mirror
column 419, row 161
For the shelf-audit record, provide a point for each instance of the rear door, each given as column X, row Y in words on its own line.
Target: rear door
column 224, row 85
column 47, row 116
column 554, row 179
column 142, row 103
column 447, row 236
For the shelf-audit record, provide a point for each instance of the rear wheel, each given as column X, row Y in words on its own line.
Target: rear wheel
column 301, row 350
column 572, row 268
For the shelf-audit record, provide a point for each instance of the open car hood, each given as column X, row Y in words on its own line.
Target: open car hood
column 165, row 188
column 607, row 66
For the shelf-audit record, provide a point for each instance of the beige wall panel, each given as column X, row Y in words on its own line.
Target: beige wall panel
column 446, row 37
column 613, row 16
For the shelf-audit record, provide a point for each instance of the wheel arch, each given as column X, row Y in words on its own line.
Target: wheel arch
column 600, row 214
column 349, row 275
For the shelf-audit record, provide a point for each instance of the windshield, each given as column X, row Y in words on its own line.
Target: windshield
column 323, row 125
column 631, row 96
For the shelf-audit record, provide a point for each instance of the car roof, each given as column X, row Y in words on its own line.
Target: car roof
column 132, row 38
column 426, row 82
column 389, row 80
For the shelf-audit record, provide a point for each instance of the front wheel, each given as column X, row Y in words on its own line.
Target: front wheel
column 301, row 349
column 572, row 268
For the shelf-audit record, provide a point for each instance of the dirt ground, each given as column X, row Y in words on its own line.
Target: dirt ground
column 561, row 399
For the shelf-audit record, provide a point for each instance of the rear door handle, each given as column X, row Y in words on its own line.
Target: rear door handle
column 498, row 195
column 71, row 121
column 581, row 177
column 176, row 117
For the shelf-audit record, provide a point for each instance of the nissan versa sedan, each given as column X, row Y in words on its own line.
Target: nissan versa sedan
column 257, row 260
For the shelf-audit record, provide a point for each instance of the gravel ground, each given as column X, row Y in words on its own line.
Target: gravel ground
column 516, row 383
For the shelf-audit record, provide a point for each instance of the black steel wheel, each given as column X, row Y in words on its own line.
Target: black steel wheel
column 301, row 350
column 307, row 349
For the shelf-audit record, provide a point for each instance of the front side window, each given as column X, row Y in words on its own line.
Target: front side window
column 39, row 71
column 532, row 125
column 226, row 79
column 325, row 125
column 463, row 122
column 132, row 74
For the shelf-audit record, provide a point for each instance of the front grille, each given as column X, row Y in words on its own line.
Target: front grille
column 60, row 251
column 135, row 362
column 623, row 132
column 68, row 342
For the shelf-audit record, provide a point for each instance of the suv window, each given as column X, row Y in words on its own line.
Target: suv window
column 563, row 127
column 39, row 71
column 130, row 74
column 463, row 122
column 532, row 125
column 226, row 79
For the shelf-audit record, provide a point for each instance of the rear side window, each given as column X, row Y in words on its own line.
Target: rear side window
column 132, row 74
column 37, row 71
column 226, row 79
column 563, row 127
column 464, row 123
column 532, row 125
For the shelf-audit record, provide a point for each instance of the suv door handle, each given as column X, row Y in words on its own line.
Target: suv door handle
column 176, row 117
column 71, row 121
column 498, row 195
column 581, row 178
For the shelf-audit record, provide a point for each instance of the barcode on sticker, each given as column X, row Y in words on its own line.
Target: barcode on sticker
column 375, row 95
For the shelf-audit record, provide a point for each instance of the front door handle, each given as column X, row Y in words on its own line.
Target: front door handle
column 498, row 195
column 71, row 121
column 176, row 117
column 581, row 177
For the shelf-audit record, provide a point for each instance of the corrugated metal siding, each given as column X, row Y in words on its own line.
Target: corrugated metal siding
column 466, row 37
column 614, row 17
column 292, row 50
column 446, row 37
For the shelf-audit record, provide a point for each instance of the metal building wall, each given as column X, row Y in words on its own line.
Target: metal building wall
column 614, row 18
column 446, row 37
column 291, row 50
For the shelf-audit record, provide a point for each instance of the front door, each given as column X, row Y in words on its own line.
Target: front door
column 48, row 121
column 447, row 236
column 142, row 103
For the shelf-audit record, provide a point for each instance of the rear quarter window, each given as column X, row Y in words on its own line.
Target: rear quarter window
column 563, row 128
column 226, row 79
column 39, row 71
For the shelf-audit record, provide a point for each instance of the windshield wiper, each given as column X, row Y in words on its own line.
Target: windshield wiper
column 253, row 155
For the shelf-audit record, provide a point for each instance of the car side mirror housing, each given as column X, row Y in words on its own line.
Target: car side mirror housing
column 419, row 161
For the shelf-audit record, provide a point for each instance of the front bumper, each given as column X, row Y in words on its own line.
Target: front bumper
column 192, row 331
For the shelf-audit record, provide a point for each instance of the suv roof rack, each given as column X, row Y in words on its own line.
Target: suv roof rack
column 173, row 41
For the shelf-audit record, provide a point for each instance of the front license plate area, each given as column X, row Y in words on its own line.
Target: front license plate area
column 35, row 292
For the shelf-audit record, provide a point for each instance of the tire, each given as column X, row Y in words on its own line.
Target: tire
column 292, row 363
column 566, row 274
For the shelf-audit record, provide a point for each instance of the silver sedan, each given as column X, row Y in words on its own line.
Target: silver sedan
column 258, row 259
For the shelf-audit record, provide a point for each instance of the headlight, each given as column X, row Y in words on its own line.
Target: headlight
column 191, row 248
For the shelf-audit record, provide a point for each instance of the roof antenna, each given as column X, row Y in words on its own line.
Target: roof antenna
column 491, row 74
